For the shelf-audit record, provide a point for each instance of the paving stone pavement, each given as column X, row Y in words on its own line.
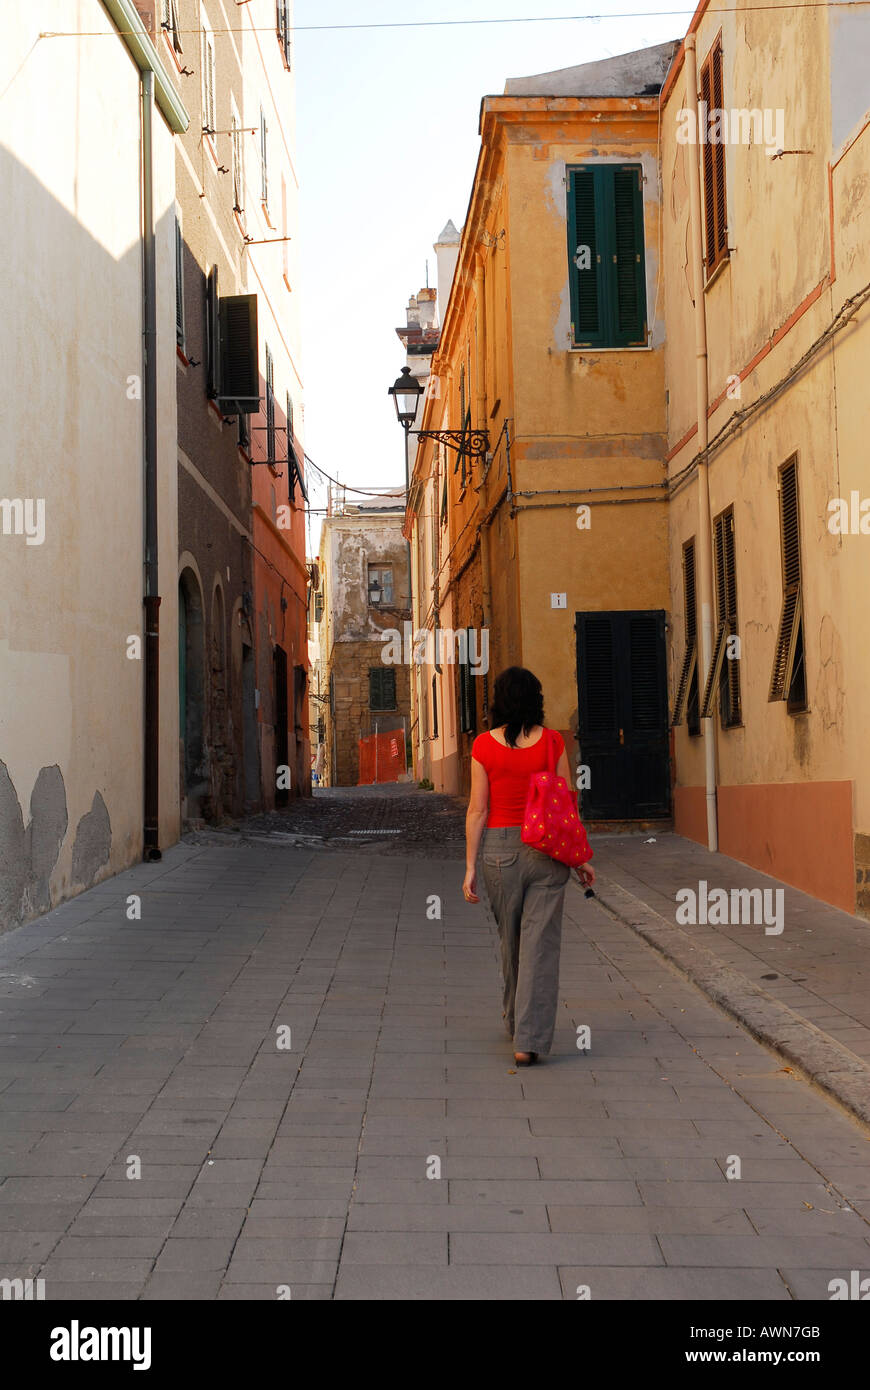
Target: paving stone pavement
column 264, row 1169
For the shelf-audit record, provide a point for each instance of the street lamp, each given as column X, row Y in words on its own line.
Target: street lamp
column 406, row 392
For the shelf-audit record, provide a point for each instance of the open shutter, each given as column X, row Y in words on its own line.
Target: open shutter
column 212, row 334
column 179, row 285
column 264, row 169
column 628, row 260
column 731, row 715
column 689, row 672
column 240, row 368
column 789, row 641
column 720, row 229
column 715, row 214
column 721, row 620
column 586, row 292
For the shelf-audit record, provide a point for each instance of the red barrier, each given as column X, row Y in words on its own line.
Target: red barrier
column 381, row 758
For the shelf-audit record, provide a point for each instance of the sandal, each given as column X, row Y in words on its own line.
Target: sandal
column 525, row 1059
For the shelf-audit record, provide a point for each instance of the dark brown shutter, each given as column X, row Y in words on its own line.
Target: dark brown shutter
column 179, row 286
column 212, row 334
column 732, row 714
column 789, row 642
column 689, row 672
column 715, row 213
column 240, row 368
column 724, row 673
column 719, row 158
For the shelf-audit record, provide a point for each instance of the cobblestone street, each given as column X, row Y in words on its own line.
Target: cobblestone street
column 392, row 1151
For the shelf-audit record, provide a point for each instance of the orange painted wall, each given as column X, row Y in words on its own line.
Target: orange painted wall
column 690, row 813
column 800, row 832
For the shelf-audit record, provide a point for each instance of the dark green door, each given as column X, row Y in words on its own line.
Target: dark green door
column 623, row 714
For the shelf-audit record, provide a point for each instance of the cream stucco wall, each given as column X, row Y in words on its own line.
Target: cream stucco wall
column 799, row 246
column 71, row 702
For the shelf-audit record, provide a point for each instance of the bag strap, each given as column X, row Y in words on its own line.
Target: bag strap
column 552, row 756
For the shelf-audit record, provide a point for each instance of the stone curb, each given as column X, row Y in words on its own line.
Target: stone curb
column 822, row 1060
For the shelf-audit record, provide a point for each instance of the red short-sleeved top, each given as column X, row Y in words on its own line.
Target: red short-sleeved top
column 509, row 770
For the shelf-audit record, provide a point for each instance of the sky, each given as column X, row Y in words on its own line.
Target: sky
column 387, row 142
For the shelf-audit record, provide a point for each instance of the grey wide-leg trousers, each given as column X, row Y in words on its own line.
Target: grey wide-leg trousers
column 526, row 891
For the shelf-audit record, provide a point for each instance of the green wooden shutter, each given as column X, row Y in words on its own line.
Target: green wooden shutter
column 605, row 214
column 582, row 233
column 628, row 277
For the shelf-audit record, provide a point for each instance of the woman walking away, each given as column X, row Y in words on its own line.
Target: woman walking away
column 526, row 887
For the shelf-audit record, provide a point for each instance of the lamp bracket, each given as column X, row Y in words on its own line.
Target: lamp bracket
column 472, row 443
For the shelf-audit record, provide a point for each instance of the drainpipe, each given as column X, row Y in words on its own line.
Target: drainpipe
column 149, row 403
column 705, row 529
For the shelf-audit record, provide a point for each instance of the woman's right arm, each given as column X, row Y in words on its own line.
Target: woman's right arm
column 475, row 824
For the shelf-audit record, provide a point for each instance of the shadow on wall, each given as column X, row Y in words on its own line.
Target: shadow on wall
column 29, row 854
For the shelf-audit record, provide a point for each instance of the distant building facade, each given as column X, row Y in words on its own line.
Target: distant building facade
column 363, row 597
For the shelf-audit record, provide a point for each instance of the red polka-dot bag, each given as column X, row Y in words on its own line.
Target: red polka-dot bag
column 551, row 823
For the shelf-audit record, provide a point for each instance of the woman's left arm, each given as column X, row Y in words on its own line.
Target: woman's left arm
column 475, row 824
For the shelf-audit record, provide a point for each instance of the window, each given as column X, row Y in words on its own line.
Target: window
column 282, row 22
column 687, row 690
column 264, row 169
column 270, row 406
column 380, row 585
column 725, row 670
column 434, row 707
column 209, row 121
column 238, row 165
column 467, row 703
column 382, row 687
column 715, row 211
column 318, row 607
column 169, row 22
column 606, row 255
column 179, row 284
column 788, row 681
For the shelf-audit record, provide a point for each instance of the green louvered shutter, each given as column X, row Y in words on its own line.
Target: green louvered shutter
column 582, row 233
column 628, row 277
column 605, row 214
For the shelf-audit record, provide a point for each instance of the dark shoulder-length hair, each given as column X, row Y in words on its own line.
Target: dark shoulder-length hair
column 517, row 703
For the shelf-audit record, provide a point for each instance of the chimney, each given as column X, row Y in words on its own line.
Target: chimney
column 447, row 252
